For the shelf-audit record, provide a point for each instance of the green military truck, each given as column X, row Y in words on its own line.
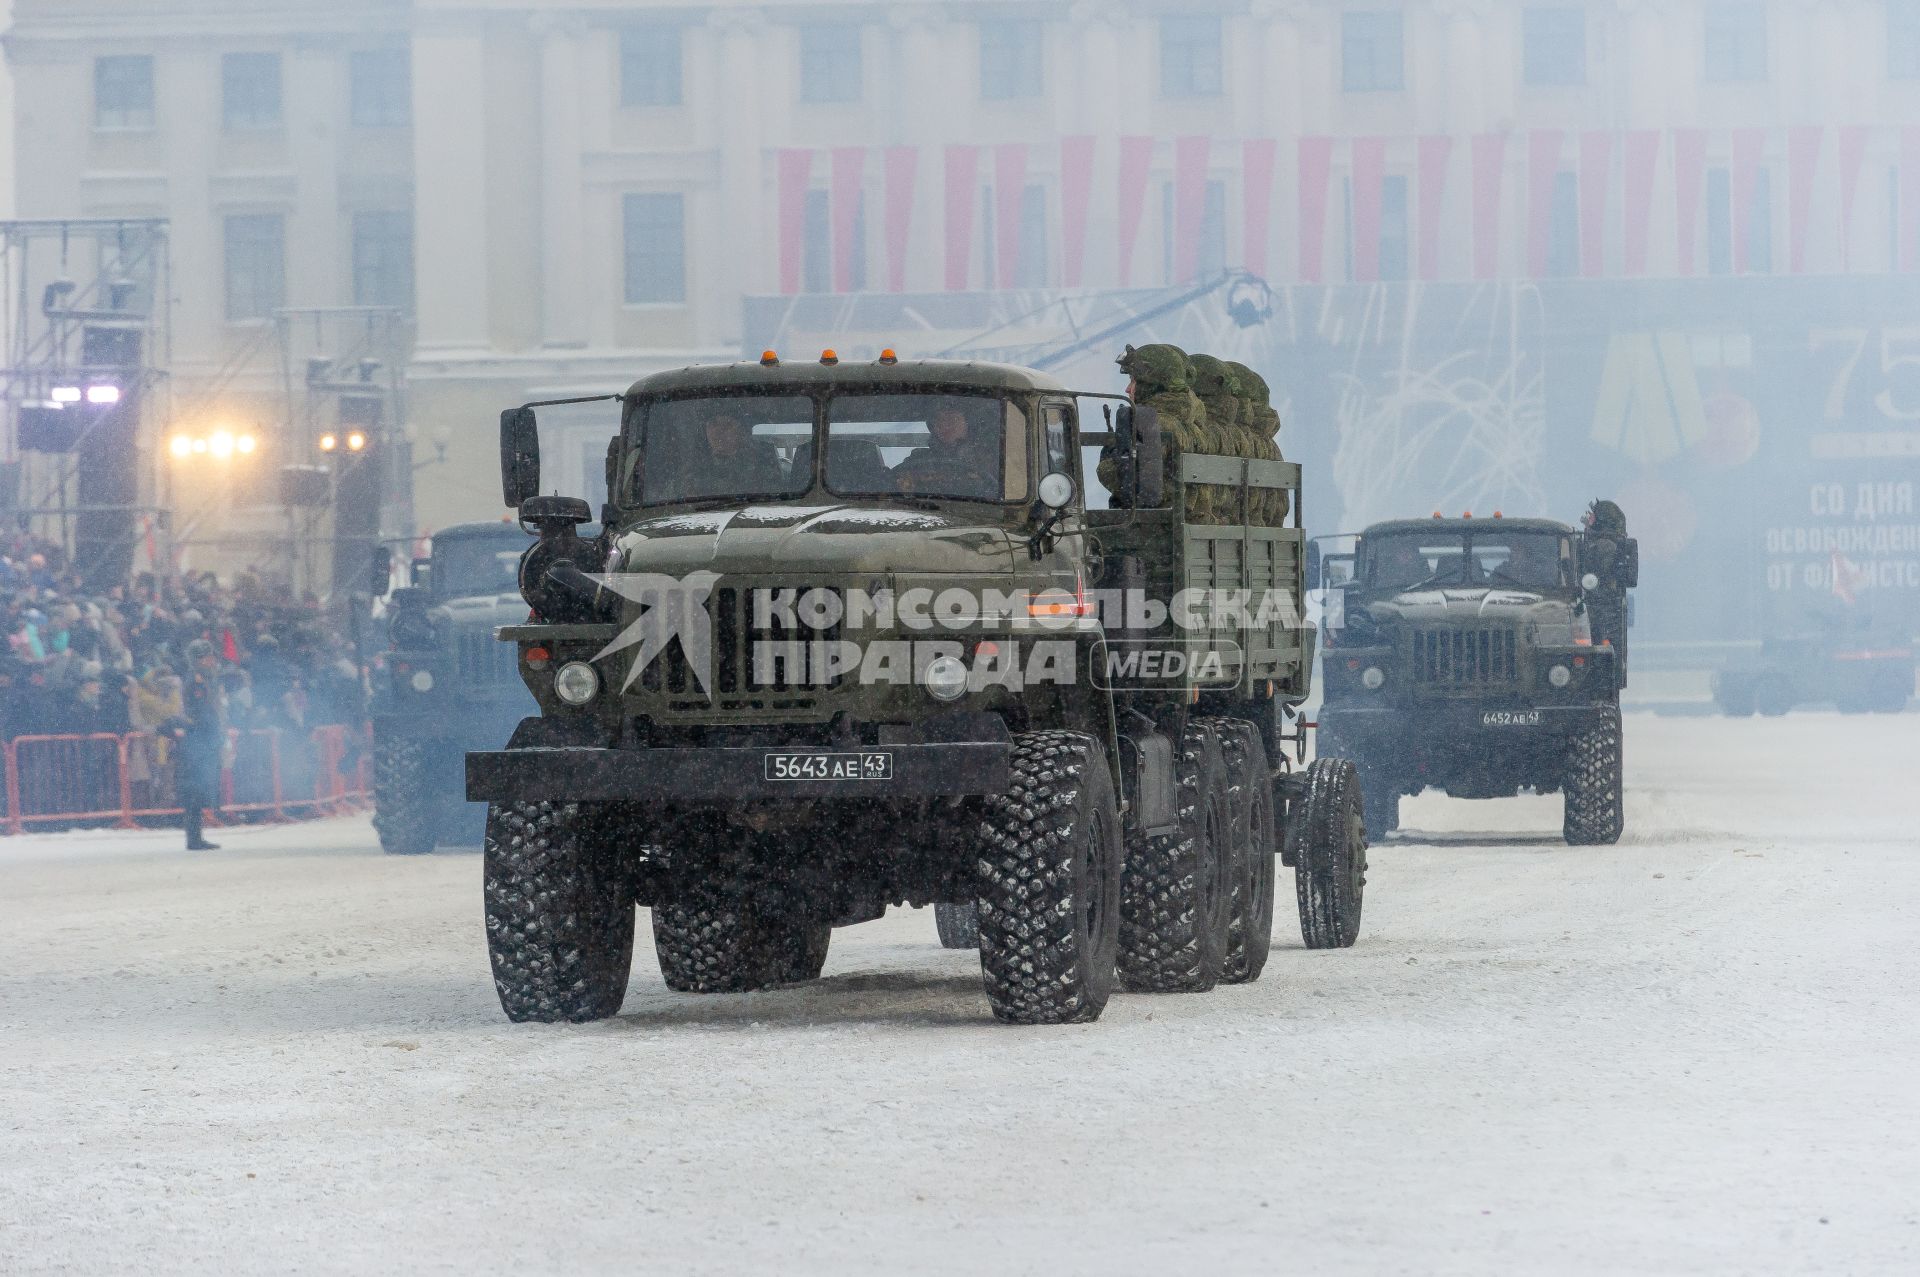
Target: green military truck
column 850, row 637
column 1460, row 655
column 446, row 685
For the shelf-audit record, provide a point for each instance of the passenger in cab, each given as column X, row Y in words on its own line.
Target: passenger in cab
column 955, row 462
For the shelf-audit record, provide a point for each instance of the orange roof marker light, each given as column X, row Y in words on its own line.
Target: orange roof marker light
column 1438, row 515
column 769, row 359
column 1466, row 514
column 1496, row 514
column 888, row 357
column 828, row 358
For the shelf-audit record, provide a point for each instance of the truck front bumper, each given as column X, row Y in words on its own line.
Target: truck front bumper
column 737, row 774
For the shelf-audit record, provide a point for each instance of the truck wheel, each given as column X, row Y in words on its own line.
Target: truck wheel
column 1177, row 891
column 1329, row 833
column 1773, row 698
column 1255, row 846
column 1594, row 816
column 724, row 936
column 958, row 925
column 1381, row 802
column 404, row 813
column 1734, row 698
column 1049, row 874
column 559, row 915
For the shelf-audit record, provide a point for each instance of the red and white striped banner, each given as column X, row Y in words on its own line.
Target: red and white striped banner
column 1136, row 166
column 1743, row 180
column 1643, row 160
column 849, row 168
column 1596, row 182
column 1853, row 151
column 1543, row 169
column 1009, row 191
column 1689, row 171
column 1803, row 158
column 1369, row 171
column 1436, row 150
column 902, row 165
column 1489, row 163
column 1257, row 156
column 963, row 179
column 794, row 173
column 1191, row 155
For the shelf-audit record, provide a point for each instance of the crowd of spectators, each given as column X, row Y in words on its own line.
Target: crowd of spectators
column 79, row 661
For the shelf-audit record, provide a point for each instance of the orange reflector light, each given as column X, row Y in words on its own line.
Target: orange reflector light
column 888, row 357
column 987, row 648
column 769, row 359
column 538, row 656
column 1579, row 661
column 828, row 357
column 1353, row 662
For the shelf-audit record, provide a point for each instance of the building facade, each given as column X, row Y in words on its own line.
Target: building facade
column 563, row 196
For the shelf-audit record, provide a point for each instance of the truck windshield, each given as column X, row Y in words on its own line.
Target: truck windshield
column 475, row 565
column 719, row 446
column 1409, row 560
column 971, row 447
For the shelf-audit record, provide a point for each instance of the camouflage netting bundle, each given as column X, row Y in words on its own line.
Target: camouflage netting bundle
column 1160, row 382
column 1262, row 424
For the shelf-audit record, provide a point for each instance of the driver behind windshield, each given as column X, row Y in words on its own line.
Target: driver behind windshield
column 954, row 463
column 735, row 462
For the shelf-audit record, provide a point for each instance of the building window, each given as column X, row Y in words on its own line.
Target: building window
column 250, row 90
column 381, row 88
column 1031, row 270
column 830, row 63
column 1735, row 42
column 1190, row 56
column 1370, row 51
column 1555, row 41
column 1394, row 252
column 1903, row 39
column 1563, row 228
column 650, row 66
column 1010, row 65
column 383, row 260
column 656, row 249
column 123, row 92
column 256, row 257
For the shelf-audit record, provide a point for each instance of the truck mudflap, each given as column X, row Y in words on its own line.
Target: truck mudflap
column 735, row 773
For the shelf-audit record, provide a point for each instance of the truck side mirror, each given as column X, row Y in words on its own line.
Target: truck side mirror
column 1313, row 565
column 519, row 456
column 380, row 571
column 1140, row 425
column 1629, row 567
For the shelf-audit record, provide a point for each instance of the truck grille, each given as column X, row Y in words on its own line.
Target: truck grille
column 736, row 639
column 1463, row 658
column 485, row 661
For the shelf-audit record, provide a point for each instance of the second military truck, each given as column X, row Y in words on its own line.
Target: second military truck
column 448, row 685
column 1464, row 655
column 840, row 646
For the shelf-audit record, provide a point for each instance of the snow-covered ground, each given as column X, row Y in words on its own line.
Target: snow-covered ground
column 1696, row 1052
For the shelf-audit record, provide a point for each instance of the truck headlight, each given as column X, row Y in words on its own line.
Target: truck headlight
column 576, row 683
column 1559, row 676
column 422, row 681
column 946, row 678
column 1372, row 678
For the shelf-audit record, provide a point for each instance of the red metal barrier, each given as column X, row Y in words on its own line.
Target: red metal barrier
column 102, row 777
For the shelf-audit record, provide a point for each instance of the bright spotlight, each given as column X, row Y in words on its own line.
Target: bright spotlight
column 355, row 441
column 328, row 443
column 65, row 394
column 180, row 446
column 244, row 444
column 220, row 443
column 103, row 396
column 199, row 445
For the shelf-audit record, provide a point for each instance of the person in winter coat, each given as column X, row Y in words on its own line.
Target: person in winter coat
column 202, row 734
column 1604, row 555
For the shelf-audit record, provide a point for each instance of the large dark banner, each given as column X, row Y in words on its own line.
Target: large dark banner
column 1762, row 434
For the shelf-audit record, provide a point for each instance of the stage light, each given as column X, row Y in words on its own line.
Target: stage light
column 329, row 442
column 103, row 396
column 65, row 394
column 244, row 445
column 180, row 446
column 220, row 443
column 355, row 441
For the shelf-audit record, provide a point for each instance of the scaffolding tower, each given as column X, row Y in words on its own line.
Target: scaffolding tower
column 88, row 338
